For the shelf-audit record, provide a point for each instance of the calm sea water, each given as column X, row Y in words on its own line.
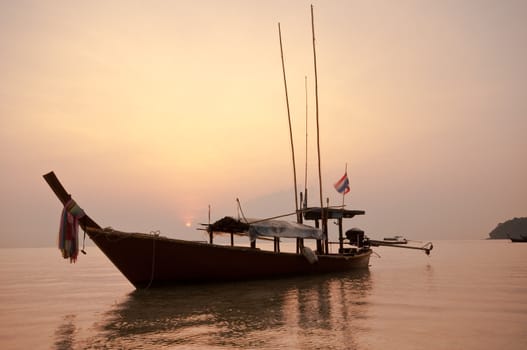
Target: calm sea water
column 466, row 295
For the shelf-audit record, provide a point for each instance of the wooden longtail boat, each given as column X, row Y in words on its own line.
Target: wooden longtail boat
column 151, row 260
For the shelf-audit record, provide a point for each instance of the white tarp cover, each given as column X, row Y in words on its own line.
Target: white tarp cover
column 283, row 229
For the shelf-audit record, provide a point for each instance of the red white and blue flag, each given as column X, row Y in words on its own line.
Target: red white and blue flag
column 343, row 185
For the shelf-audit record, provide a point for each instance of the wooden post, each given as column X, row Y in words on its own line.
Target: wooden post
column 326, row 245
column 341, row 238
column 319, row 241
column 211, row 234
column 299, row 241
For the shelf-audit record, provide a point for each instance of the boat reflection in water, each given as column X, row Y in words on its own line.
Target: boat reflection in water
column 65, row 333
column 299, row 312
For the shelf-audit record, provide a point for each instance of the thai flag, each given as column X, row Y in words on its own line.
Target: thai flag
column 343, row 185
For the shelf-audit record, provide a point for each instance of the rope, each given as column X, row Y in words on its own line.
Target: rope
column 154, row 234
column 278, row 216
column 109, row 230
column 83, row 243
column 241, row 211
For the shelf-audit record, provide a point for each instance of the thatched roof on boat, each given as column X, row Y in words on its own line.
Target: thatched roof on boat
column 229, row 225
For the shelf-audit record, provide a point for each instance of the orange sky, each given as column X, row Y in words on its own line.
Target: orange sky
column 150, row 111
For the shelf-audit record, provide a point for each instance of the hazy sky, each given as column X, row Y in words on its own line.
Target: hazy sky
column 149, row 111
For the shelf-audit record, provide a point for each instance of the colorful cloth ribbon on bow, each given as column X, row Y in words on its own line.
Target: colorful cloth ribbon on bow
column 69, row 230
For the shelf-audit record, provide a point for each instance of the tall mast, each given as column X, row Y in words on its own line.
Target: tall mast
column 305, row 169
column 316, row 111
column 298, row 214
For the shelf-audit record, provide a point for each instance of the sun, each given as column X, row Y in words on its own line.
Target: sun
column 188, row 224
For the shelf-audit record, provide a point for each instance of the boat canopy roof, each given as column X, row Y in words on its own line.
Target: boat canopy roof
column 256, row 228
column 315, row 213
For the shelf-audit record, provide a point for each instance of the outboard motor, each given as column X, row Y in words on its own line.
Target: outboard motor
column 355, row 236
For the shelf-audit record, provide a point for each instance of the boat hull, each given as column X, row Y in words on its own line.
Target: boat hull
column 149, row 260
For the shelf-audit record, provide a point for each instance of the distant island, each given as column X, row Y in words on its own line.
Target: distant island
column 511, row 228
